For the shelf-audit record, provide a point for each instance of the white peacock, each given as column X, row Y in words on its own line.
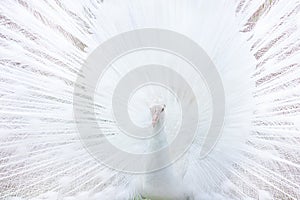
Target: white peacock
column 255, row 48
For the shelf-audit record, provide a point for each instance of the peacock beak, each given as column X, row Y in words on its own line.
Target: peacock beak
column 155, row 118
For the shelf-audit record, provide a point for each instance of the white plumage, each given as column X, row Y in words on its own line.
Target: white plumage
column 254, row 45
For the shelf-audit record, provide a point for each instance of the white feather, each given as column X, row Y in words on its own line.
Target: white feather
column 254, row 45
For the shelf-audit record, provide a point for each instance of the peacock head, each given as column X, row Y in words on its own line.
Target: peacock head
column 157, row 113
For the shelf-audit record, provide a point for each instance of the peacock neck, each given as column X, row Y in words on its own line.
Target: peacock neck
column 159, row 139
column 161, row 184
